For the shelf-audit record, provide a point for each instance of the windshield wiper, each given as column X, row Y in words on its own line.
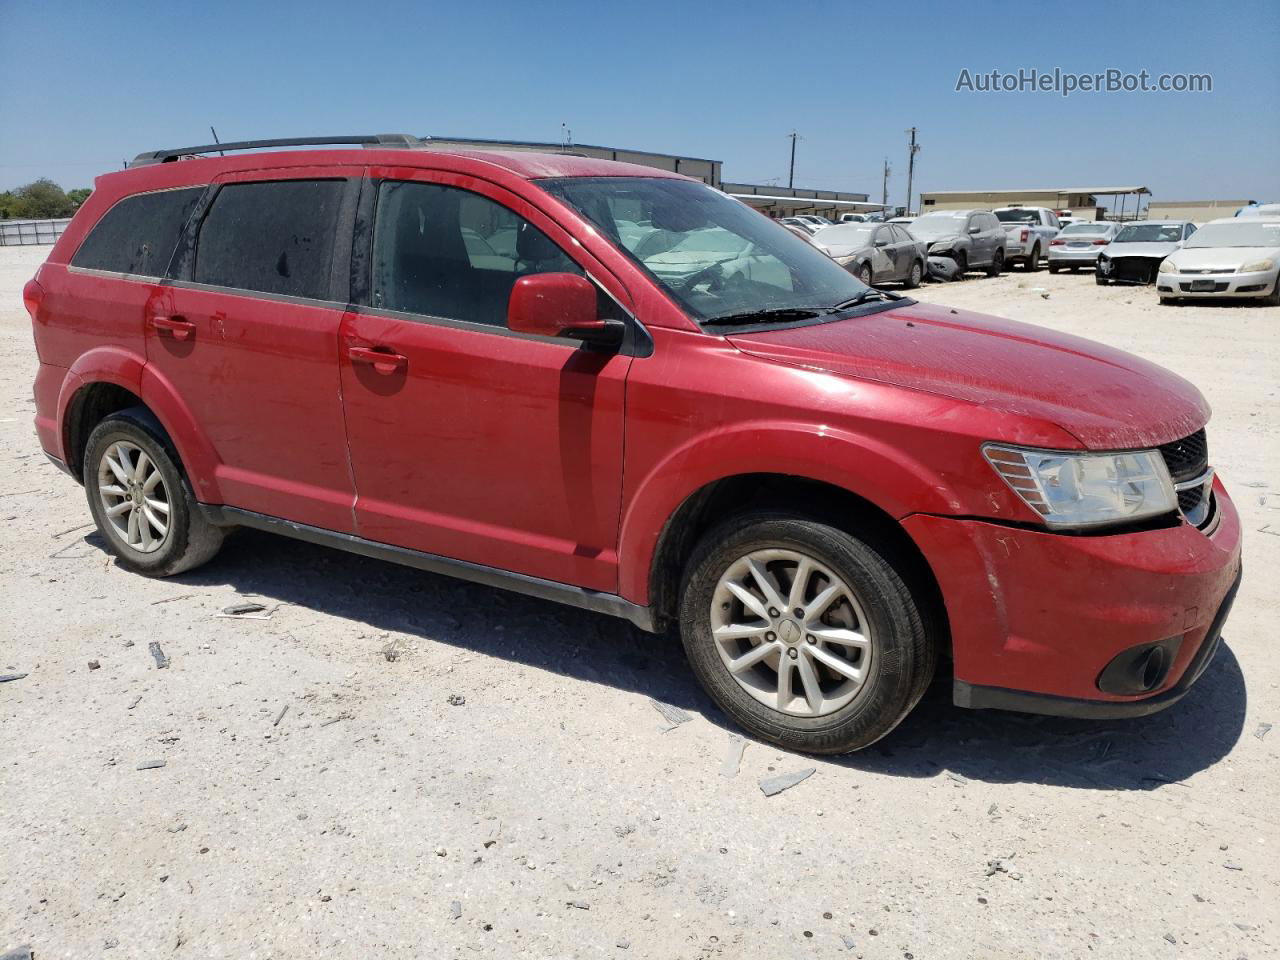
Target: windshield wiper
column 779, row 314
column 871, row 293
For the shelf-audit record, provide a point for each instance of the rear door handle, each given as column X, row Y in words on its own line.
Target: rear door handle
column 180, row 328
column 383, row 361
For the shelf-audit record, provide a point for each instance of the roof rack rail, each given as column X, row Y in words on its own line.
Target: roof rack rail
column 367, row 140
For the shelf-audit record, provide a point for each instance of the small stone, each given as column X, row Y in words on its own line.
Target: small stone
column 1222, row 846
column 827, row 915
column 441, row 852
column 848, row 941
column 982, row 900
column 1171, row 938
column 624, row 944
column 240, row 609
column 94, row 665
column 151, row 764
column 1233, row 866
column 874, row 932
column 455, row 909
column 457, row 700
column 957, row 777
column 580, row 904
column 808, row 933
column 326, row 898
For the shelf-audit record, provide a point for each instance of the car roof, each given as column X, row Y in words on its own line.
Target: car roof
column 1245, row 220
column 525, row 164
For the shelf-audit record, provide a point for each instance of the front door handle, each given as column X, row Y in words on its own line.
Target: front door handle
column 383, row 361
column 180, row 328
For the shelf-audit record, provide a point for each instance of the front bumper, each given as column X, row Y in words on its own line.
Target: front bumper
column 1129, row 269
column 1224, row 284
column 1036, row 617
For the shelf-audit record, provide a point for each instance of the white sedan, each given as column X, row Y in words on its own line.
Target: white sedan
column 1237, row 257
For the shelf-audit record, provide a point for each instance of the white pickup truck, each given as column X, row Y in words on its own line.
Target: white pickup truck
column 1029, row 230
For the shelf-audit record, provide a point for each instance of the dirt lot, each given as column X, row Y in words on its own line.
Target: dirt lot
column 556, row 813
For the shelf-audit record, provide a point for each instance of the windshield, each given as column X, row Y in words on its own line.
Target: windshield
column 1017, row 216
column 715, row 255
column 1241, row 233
column 846, row 235
column 938, row 225
column 1090, row 228
column 1150, row 233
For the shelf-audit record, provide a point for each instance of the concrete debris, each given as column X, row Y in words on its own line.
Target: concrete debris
column 785, row 781
column 8, row 677
column 673, row 715
column 958, row 778
column 848, row 941
column 240, row 609
column 457, row 700
column 733, row 756
column 624, row 944
column 161, row 660
column 1171, row 938
column 391, row 652
column 455, row 910
column 94, row 665
column 151, row 764
column 1233, row 866
column 1262, row 731
column 579, row 904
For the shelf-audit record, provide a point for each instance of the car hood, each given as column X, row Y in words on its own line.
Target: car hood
column 1117, row 250
column 838, row 249
column 1199, row 258
column 1107, row 399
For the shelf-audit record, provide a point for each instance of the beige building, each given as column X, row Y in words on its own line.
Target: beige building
column 1197, row 211
column 789, row 201
column 1081, row 201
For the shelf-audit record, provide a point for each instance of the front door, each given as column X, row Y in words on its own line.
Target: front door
column 884, row 257
column 246, row 334
column 468, row 440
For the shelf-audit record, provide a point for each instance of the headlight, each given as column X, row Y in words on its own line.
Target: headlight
column 1086, row 489
column 1258, row 266
column 1168, row 266
column 845, row 261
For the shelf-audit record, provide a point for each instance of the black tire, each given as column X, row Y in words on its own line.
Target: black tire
column 997, row 264
column 1033, row 261
column 1053, row 267
column 962, row 264
column 904, row 655
column 190, row 539
column 864, row 273
column 1100, row 280
column 1273, row 299
column 914, row 275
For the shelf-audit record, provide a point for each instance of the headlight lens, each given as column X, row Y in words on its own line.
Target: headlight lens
column 1086, row 489
column 844, row 261
column 1168, row 266
column 1258, row 266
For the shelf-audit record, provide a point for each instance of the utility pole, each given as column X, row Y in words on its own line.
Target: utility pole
column 912, row 150
column 884, row 187
column 791, row 177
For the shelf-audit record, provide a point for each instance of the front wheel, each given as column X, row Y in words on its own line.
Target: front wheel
column 806, row 636
column 1100, row 280
column 915, row 275
column 997, row 264
column 864, row 274
column 962, row 265
column 140, row 500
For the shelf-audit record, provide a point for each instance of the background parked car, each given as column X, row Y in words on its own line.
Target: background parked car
column 853, row 218
column 1028, row 232
column 874, row 252
column 1226, row 258
column 972, row 238
column 805, row 225
column 812, row 218
column 1078, row 244
column 1135, row 253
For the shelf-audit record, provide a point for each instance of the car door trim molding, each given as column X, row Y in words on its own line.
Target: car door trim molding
column 608, row 603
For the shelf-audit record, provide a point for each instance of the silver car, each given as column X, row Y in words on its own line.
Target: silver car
column 1136, row 251
column 1237, row 257
column 875, row 253
column 1077, row 245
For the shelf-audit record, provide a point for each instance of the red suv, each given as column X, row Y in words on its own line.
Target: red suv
column 621, row 389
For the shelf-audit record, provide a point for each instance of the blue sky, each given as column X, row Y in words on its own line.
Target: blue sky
column 84, row 85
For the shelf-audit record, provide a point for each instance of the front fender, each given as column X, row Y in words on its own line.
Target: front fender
column 860, row 464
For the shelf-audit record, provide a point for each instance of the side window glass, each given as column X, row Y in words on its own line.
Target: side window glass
column 1190, row 229
column 138, row 234
column 446, row 252
column 275, row 237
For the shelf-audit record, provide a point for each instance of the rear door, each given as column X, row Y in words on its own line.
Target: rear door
column 247, row 336
column 468, row 440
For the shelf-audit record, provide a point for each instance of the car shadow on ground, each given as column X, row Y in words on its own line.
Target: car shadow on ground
column 936, row 738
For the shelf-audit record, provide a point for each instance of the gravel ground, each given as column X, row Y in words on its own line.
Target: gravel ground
column 556, row 812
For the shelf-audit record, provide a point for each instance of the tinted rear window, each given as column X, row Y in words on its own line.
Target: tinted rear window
column 139, row 233
column 273, row 237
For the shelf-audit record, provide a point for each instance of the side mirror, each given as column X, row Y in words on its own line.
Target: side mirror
column 975, row 229
column 559, row 304
column 882, row 241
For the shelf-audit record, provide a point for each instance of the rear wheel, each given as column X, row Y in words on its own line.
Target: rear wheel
column 1033, row 261
column 140, row 500
column 806, row 636
column 915, row 275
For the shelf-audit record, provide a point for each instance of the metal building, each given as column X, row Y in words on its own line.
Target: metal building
column 1081, row 201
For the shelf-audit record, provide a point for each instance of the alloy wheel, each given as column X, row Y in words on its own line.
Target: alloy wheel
column 791, row 632
column 134, row 499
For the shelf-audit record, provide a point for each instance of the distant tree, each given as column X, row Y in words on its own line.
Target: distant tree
column 77, row 197
column 41, row 200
